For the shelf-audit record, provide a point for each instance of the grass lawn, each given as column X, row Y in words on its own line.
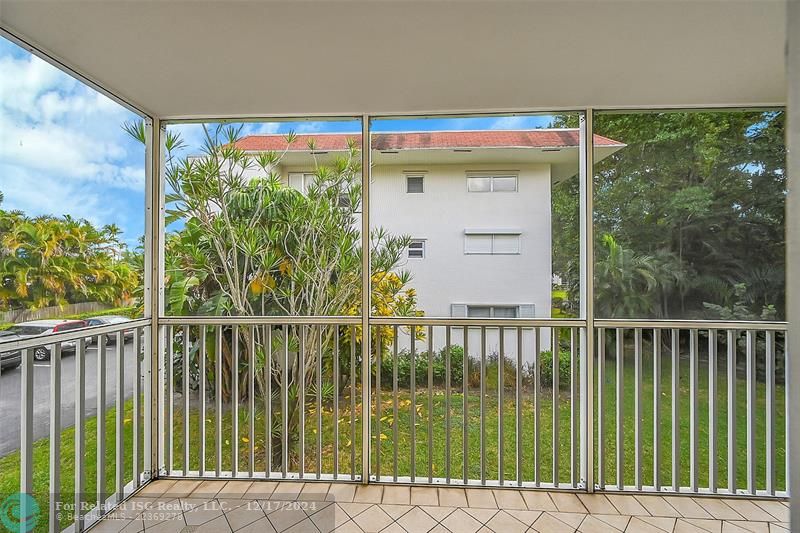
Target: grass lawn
column 9, row 465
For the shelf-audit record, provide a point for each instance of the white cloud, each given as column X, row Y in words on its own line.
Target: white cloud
column 511, row 123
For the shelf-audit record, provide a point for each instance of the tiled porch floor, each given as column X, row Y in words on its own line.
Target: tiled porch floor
column 267, row 507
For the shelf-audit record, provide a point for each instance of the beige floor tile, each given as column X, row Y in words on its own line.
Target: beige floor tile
column 505, row 523
column 481, row 515
column 287, row 491
column 449, row 497
column 571, row 519
column 416, row 521
column 394, row 528
column 461, row 522
column 718, row 509
column 202, row 514
column 314, row 492
column 538, row 501
column 341, row 492
column 355, row 508
column 234, row 489
column 597, row 503
column 437, row 513
column 184, row 487
column 262, row 525
column 567, row 502
column 208, row 489
column 439, row 528
column 286, row 517
column 398, row 495
column 753, row 527
column 395, row 511
column 549, row 524
column 218, row 525
column 244, row 515
column 481, row 498
column 509, row 499
column 777, row 528
column 348, row 527
column 627, row 505
column 526, row 517
column 368, row 494
column 658, row 506
column 592, row 525
column 616, row 521
column 776, row 509
column 373, row 520
column 697, row 525
column 687, row 507
column 261, row 490
column 156, row 488
column 637, row 525
column 329, row 518
column 748, row 510
column 424, row 496
column 664, row 523
column 167, row 526
column 304, row 526
column 110, row 525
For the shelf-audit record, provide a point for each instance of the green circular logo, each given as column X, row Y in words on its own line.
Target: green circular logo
column 19, row 512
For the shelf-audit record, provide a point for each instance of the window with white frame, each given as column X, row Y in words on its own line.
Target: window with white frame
column 492, row 311
column 301, row 181
column 416, row 249
column 489, row 182
column 491, row 243
column 415, row 184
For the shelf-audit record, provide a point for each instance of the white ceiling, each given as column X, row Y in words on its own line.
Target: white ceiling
column 189, row 58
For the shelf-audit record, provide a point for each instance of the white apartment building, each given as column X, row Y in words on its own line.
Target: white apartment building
column 477, row 205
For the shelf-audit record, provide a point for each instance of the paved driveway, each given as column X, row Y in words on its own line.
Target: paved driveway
column 11, row 391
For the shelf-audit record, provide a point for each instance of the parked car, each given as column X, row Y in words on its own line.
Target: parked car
column 37, row 328
column 107, row 320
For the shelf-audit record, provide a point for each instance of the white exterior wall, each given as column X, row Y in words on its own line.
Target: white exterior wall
column 440, row 215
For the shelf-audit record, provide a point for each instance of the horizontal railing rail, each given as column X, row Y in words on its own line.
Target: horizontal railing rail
column 257, row 320
column 71, row 335
column 691, row 324
column 476, row 322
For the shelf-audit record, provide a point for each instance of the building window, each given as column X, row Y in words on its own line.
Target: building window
column 487, row 243
column 491, row 183
column 416, row 249
column 492, row 311
column 415, row 184
column 301, row 181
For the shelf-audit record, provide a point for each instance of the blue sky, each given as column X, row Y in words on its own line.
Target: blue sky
column 63, row 150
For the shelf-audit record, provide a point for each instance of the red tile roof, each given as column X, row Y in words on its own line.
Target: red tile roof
column 559, row 138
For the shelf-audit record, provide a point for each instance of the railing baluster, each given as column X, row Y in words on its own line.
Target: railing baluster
column 555, row 350
column 100, row 471
column 501, row 363
column 676, row 451
column 301, row 402
column 430, row 404
column 119, row 453
column 55, row 437
column 319, row 401
column 637, row 407
column 169, row 445
column 378, row 350
column 413, row 406
column 235, row 401
column 395, row 413
column 137, row 394
column 751, row 412
column 80, row 431
column 185, row 397
column 202, row 397
column 251, row 399
column 770, row 401
column 693, row 425
column 573, row 405
column 285, row 404
column 483, row 405
column 518, row 414
column 465, row 408
column 26, row 419
column 620, row 339
column 218, row 396
column 657, row 409
column 336, row 402
column 731, row 345
column 447, row 372
column 268, row 398
column 353, row 402
column 712, row 411
column 601, row 409
column 537, row 466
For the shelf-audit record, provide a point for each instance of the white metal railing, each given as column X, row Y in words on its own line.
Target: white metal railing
column 712, row 353
column 82, row 507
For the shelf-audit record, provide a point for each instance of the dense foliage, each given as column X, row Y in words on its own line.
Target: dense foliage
column 48, row 261
column 689, row 216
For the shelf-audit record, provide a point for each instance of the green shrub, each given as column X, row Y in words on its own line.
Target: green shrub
column 421, row 367
column 546, row 368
